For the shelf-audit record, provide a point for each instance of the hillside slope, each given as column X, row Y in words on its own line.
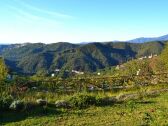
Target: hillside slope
column 31, row 58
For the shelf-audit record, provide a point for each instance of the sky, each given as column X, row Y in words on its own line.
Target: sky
column 75, row 21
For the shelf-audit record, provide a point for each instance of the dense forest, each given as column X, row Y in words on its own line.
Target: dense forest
column 45, row 58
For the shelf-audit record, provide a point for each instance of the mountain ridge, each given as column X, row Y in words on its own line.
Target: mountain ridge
column 32, row 58
column 146, row 39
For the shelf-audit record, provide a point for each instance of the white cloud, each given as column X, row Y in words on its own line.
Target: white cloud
column 51, row 13
column 31, row 18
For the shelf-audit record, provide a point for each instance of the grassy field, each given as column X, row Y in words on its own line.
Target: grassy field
column 149, row 111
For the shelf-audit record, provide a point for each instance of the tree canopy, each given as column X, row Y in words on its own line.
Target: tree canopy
column 3, row 69
column 164, row 57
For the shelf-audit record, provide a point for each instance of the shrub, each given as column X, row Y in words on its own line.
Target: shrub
column 5, row 102
column 82, row 100
column 17, row 105
column 62, row 104
column 41, row 102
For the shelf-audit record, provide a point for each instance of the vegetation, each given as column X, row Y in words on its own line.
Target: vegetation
column 66, row 56
column 152, row 111
column 164, row 58
column 3, row 70
column 116, row 96
column 82, row 100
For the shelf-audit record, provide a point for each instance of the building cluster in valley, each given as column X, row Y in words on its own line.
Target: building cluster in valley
column 56, row 71
column 148, row 57
column 117, row 67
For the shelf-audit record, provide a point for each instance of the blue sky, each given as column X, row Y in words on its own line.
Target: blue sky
column 81, row 20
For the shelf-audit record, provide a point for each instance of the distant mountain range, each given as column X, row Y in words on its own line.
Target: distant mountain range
column 38, row 57
column 139, row 40
column 142, row 39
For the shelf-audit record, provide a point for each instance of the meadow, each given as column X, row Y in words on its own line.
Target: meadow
column 136, row 106
column 152, row 111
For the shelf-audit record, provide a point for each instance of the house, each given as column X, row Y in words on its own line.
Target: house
column 138, row 72
column 117, row 67
column 141, row 58
column 77, row 72
column 57, row 70
column 150, row 57
column 98, row 73
column 34, row 88
column 120, row 67
column 91, row 87
column 53, row 75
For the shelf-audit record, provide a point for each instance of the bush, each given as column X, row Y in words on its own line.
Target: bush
column 82, row 100
column 17, row 105
column 41, row 102
column 5, row 102
column 62, row 104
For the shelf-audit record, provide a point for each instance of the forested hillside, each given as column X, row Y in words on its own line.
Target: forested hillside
column 32, row 58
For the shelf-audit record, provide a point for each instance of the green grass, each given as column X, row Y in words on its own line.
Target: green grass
column 149, row 111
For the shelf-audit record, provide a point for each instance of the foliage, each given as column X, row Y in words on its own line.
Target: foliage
column 3, row 70
column 42, row 58
column 82, row 100
column 17, row 105
column 164, row 57
column 41, row 102
column 131, row 67
column 5, row 101
column 41, row 73
column 62, row 104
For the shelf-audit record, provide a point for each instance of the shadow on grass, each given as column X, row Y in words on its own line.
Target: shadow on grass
column 13, row 116
column 145, row 102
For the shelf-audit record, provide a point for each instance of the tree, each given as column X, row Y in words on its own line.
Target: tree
column 41, row 73
column 164, row 57
column 3, row 70
column 131, row 67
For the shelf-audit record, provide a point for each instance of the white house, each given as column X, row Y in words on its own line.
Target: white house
column 120, row 67
column 77, row 72
column 57, row 70
column 52, row 75
column 141, row 58
column 138, row 72
column 150, row 57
